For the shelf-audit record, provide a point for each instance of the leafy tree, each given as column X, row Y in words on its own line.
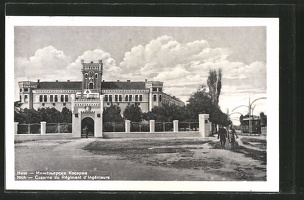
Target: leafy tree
column 50, row 115
column 133, row 113
column 218, row 117
column 241, row 119
column 66, row 115
column 263, row 119
column 112, row 114
column 30, row 116
column 199, row 103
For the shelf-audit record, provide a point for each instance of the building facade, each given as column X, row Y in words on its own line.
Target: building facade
column 58, row 94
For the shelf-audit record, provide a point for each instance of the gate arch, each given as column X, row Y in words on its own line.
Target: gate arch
column 87, row 127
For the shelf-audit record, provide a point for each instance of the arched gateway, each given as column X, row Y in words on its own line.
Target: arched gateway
column 87, row 127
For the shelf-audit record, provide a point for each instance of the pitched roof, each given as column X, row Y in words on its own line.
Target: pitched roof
column 123, row 85
column 77, row 85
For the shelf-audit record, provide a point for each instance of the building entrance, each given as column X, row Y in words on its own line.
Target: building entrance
column 87, row 128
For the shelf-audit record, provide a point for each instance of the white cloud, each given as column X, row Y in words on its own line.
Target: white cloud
column 45, row 60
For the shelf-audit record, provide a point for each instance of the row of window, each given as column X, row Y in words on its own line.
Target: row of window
column 119, row 97
column 86, row 75
column 53, row 98
column 54, row 104
column 155, row 97
column 24, row 89
column 136, row 104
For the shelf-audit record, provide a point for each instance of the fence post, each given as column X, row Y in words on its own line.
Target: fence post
column 204, row 125
column 58, row 127
column 152, row 126
column 29, row 129
column 43, row 127
column 16, row 127
column 128, row 126
column 175, row 125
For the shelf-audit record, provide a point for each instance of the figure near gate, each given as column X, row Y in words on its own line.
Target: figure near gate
column 222, row 135
column 85, row 131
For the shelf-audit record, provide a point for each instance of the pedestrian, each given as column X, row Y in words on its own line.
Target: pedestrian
column 232, row 137
column 85, row 131
column 222, row 135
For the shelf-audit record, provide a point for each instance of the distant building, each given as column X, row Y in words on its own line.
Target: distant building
column 146, row 94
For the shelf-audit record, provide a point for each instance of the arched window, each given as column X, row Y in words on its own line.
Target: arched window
column 91, row 85
column 96, row 75
column 86, row 75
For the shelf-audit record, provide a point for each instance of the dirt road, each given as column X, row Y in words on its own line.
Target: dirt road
column 183, row 159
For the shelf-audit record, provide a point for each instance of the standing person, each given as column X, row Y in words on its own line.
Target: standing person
column 232, row 136
column 222, row 135
column 85, row 131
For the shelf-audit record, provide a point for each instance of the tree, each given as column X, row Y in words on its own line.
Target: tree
column 214, row 83
column 199, row 103
column 133, row 113
column 50, row 115
column 241, row 119
column 66, row 115
column 263, row 119
column 112, row 114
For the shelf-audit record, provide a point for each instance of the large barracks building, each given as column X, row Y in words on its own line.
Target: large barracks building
column 58, row 94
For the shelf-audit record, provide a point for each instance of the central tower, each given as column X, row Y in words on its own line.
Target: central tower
column 87, row 106
column 91, row 78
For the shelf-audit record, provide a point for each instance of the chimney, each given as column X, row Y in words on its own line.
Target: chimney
column 38, row 80
column 56, row 80
column 128, row 81
column 68, row 80
column 117, row 80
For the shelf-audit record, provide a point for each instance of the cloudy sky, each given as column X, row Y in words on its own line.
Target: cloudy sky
column 181, row 57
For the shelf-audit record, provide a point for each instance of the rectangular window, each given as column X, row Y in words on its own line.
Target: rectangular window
column 20, row 89
column 51, row 98
column 56, row 98
column 110, row 98
column 20, row 98
column 61, row 98
column 140, row 97
column 40, row 98
column 154, row 97
column 120, row 97
column 44, row 98
column 64, row 104
column 130, row 97
column 126, row 98
column 136, row 97
column 106, row 98
column 154, row 89
column 160, row 89
column 160, row 98
column 54, row 104
column 116, row 98
column 66, row 98
column 25, row 89
column 43, row 104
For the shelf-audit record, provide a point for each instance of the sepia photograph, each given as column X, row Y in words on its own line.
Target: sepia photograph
column 134, row 103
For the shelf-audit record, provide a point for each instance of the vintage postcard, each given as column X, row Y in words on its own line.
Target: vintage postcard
column 142, row 104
